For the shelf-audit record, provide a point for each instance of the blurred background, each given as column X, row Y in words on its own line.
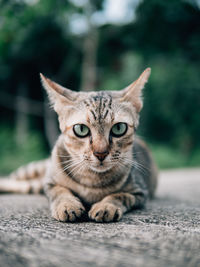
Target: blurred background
column 101, row 45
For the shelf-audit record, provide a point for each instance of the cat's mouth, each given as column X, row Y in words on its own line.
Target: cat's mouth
column 100, row 168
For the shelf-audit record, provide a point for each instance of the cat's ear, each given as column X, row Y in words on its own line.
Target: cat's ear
column 58, row 94
column 133, row 93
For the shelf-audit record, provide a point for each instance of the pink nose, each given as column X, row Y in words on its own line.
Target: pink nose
column 101, row 155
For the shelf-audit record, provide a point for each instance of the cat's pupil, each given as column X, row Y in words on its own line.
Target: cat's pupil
column 81, row 127
column 118, row 127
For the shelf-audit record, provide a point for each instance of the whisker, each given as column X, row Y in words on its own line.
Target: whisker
column 80, row 169
column 67, row 156
column 60, row 171
column 67, row 166
column 63, row 156
column 134, row 153
column 119, row 165
column 139, row 166
column 75, row 168
column 71, row 164
column 67, row 161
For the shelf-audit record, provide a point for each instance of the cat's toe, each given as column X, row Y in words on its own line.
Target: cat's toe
column 67, row 211
column 105, row 212
column 113, row 215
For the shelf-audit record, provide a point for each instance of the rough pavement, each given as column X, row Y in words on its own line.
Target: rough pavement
column 166, row 232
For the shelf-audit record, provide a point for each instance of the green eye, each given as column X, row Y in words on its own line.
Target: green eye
column 119, row 129
column 81, row 130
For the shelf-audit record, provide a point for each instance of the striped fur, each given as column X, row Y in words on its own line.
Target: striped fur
column 26, row 179
column 101, row 174
column 33, row 170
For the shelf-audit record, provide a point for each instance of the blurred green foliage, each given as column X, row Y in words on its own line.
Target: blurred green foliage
column 165, row 36
column 12, row 155
column 169, row 157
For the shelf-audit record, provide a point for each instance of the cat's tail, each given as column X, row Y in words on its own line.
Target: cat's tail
column 26, row 179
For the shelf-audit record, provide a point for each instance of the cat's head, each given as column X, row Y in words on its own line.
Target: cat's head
column 98, row 127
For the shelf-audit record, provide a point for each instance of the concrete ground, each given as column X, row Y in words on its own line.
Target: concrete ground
column 165, row 233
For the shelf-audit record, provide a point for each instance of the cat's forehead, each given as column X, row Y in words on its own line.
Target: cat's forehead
column 99, row 107
column 98, row 98
column 104, row 108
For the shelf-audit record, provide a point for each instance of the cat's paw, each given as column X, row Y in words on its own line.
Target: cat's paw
column 67, row 210
column 105, row 212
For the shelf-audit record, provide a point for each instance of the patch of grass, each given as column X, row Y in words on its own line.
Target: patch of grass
column 13, row 155
column 167, row 157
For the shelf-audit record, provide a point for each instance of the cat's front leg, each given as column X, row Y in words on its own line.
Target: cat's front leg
column 112, row 207
column 65, row 207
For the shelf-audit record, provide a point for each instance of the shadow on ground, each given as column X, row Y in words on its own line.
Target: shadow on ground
column 166, row 232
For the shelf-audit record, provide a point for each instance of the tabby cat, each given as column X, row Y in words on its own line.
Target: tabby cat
column 98, row 166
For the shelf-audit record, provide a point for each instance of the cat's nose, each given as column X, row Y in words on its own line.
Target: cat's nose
column 101, row 155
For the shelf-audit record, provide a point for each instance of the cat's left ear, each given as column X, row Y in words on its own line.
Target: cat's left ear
column 133, row 93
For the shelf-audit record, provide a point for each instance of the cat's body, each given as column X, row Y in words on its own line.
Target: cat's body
column 98, row 165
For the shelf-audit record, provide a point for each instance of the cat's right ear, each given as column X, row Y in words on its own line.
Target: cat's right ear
column 58, row 94
column 133, row 93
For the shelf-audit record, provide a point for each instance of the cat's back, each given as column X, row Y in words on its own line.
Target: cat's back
column 144, row 165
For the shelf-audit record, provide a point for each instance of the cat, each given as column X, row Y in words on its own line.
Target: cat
column 98, row 165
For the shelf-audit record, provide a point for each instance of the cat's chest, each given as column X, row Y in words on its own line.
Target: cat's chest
column 90, row 195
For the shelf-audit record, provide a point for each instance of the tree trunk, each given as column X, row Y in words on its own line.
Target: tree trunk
column 89, row 68
column 50, row 125
column 21, row 119
column 90, row 45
